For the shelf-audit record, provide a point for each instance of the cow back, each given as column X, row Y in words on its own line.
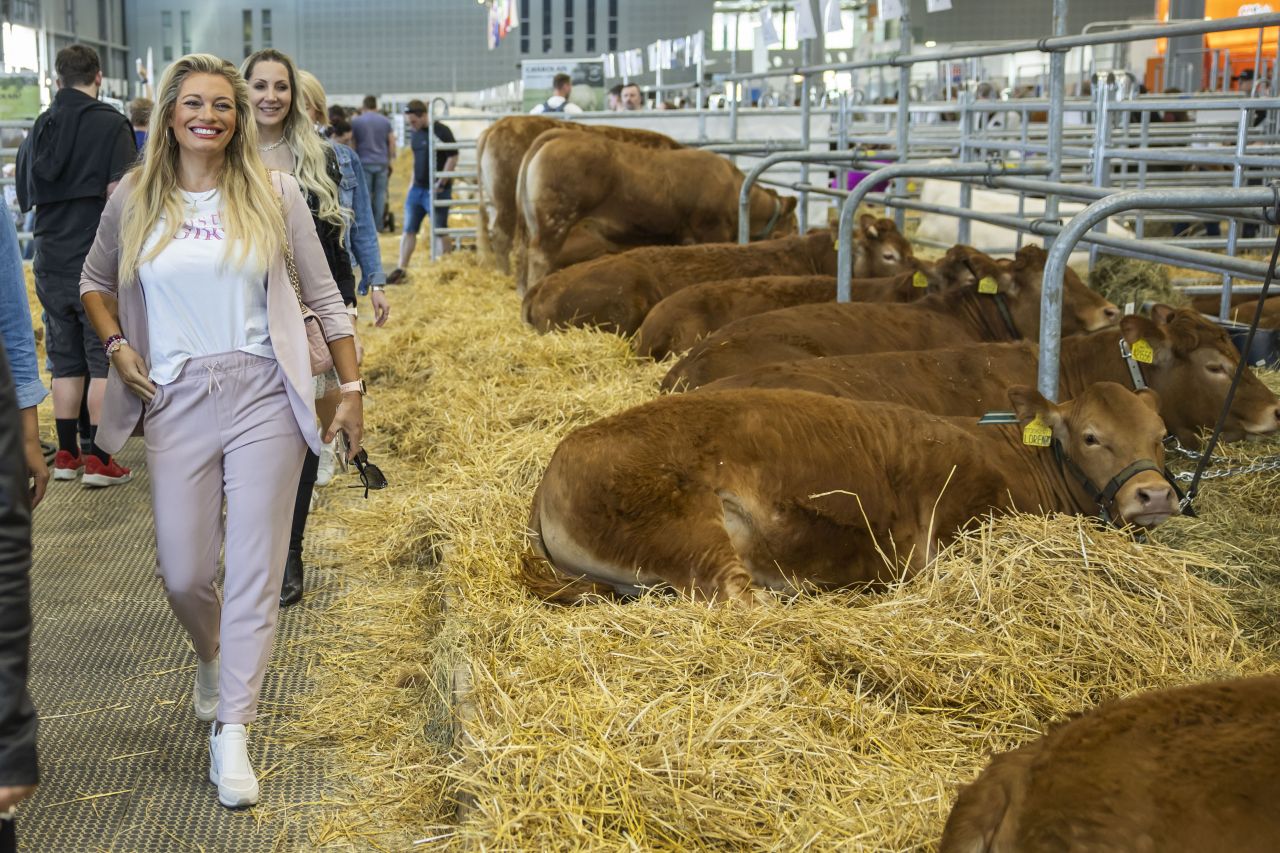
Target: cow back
column 1191, row 769
column 616, row 292
column 957, row 381
column 819, row 331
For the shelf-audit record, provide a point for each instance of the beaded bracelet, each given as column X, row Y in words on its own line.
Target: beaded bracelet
column 113, row 343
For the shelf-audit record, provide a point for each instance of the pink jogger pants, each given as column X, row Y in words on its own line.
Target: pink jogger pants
column 224, row 429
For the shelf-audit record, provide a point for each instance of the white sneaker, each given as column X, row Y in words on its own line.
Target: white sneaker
column 229, row 766
column 204, row 696
column 328, row 461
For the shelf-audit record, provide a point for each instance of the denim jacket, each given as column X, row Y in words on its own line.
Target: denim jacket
column 15, row 319
column 362, row 235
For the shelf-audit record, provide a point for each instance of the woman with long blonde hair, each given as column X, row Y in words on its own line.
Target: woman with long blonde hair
column 187, row 285
column 288, row 142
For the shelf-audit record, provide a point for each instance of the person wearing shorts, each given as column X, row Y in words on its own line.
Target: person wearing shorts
column 418, row 201
column 68, row 165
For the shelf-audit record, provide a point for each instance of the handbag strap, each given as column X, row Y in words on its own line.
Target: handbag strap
column 289, row 262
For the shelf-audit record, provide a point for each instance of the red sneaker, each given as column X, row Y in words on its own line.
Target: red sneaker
column 97, row 474
column 66, row 466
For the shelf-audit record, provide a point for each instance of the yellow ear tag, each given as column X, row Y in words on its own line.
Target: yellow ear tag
column 1143, row 352
column 988, row 285
column 919, row 280
column 1036, row 434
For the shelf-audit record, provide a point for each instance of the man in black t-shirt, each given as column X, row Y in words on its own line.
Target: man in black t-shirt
column 418, row 202
column 76, row 153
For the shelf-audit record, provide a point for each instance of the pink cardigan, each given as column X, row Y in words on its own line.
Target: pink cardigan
column 122, row 409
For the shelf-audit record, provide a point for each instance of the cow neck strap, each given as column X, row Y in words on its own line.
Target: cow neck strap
column 1135, row 369
column 1105, row 497
column 773, row 220
column 1002, row 306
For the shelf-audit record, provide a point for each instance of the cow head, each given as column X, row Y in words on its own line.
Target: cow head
column 1193, row 361
column 772, row 215
column 952, row 271
column 1083, row 310
column 1104, row 433
column 880, row 250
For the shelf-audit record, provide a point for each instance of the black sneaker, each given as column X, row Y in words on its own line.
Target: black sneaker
column 397, row 276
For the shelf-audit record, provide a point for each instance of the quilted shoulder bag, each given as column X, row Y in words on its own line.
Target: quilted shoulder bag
column 317, row 346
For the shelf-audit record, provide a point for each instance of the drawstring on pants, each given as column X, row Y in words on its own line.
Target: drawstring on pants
column 213, row 376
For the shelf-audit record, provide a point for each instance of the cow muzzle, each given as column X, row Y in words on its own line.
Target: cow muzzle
column 1147, row 500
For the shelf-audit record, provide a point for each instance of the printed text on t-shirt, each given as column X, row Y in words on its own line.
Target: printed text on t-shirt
column 201, row 228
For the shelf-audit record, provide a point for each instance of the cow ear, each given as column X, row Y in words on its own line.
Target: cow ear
column 789, row 203
column 1029, row 404
column 1136, row 328
column 868, row 223
column 1150, row 398
column 888, row 226
column 984, row 266
column 1162, row 314
column 1032, row 254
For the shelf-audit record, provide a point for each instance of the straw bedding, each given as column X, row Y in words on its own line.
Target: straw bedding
column 467, row 713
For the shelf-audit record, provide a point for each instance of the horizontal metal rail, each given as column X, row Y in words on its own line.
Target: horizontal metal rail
column 1099, row 211
column 749, row 180
column 844, row 232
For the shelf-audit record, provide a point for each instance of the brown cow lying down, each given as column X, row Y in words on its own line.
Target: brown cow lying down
column 718, row 494
column 1187, row 770
column 943, row 319
column 1191, row 368
column 686, row 316
column 615, row 292
column 499, row 152
column 584, row 195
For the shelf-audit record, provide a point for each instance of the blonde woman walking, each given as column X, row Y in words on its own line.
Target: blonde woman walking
column 287, row 141
column 187, row 285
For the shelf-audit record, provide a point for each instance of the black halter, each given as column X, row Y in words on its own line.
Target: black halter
column 1105, row 497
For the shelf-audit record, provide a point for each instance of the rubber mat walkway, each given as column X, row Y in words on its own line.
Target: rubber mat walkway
column 123, row 759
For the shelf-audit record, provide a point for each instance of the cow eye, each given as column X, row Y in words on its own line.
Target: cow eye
column 1215, row 368
column 1090, row 439
column 890, row 256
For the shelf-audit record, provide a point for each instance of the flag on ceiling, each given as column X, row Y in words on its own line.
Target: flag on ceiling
column 831, row 20
column 806, row 27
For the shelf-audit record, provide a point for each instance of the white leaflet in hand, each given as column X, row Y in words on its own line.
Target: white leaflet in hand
column 937, row 5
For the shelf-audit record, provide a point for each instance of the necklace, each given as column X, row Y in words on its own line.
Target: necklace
column 273, row 146
column 194, row 200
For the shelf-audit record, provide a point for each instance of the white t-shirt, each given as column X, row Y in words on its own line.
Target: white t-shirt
column 197, row 305
column 555, row 101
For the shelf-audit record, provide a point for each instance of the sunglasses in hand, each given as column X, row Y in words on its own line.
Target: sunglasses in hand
column 371, row 476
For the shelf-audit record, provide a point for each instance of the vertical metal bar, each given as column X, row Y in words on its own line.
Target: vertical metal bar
column 1213, row 70
column 1140, row 223
column 904, row 115
column 1257, row 57
column 431, row 178
column 806, row 117
column 842, row 139
column 1051, row 292
column 733, row 116
column 1101, row 141
column 1237, row 176
column 966, row 154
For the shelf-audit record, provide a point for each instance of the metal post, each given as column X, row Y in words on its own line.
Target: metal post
column 1142, row 169
column 1051, row 290
column 966, row 155
column 1237, row 173
column 1101, row 141
column 904, row 114
column 802, row 219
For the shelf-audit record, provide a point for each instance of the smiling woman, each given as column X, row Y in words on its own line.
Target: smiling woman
column 214, row 361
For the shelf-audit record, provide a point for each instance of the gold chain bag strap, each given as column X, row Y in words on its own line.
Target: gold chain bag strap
column 317, row 346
